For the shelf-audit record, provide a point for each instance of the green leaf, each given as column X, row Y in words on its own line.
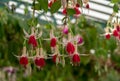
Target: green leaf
column 115, row 1
column 37, row 6
column 70, row 11
column 55, row 6
column 1, row 31
column 115, row 8
column 48, row 26
column 43, row 4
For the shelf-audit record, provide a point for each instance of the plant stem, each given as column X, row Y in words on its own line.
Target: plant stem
column 33, row 14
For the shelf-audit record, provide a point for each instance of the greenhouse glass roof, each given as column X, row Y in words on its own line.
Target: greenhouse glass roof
column 99, row 10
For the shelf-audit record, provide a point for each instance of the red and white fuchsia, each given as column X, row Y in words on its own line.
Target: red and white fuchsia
column 70, row 48
column 69, row 45
column 51, row 3
column 76, row 57
column 32, row 38
column 39, row 59
column 115, row 32
column 53, row 40
column 24, row 58
column 56, row 57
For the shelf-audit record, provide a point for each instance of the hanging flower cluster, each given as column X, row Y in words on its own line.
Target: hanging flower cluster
column 70, row 44
column 115, row 31
column 75, row 5
column 67, row 42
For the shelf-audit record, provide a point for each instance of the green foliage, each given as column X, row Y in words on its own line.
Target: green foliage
column 43, row 4
column 116, row 8
column 70, row 11
column 115, row 1
column 55, row 6
column 37, row 6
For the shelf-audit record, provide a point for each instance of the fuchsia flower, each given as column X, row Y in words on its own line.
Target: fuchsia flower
column 107, row 36
column 39, row 62
column 118, row 28
column 23, row 61
column 64, row 12
column 87, row 6
column 53, row 42
column 115, row 33
column 76, row 59
column 32, row 38
column 107, row 33
column 70, row 48
column 80, row 40
column 75, row 56
column 65, row 29
column 77, row 5
column 51, row 2
column 39, row 59
column 77, row 11
column 32, row 41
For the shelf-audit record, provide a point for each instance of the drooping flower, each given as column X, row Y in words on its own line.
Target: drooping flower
column 107, row 36
column 39, row 62
column 39, row 59
column 76, row 59
column 51, row 3
column 118, row 28
column 64, row 12
column 70, row 48
column 23, row 61
column 77, row 5
column 115, row 33
column 77, row 11
column 53, row 42
column 32, row 38
column 87, row 6
column 32, row 41
column 65, row 29
column 80, row 40
column 108, row 33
